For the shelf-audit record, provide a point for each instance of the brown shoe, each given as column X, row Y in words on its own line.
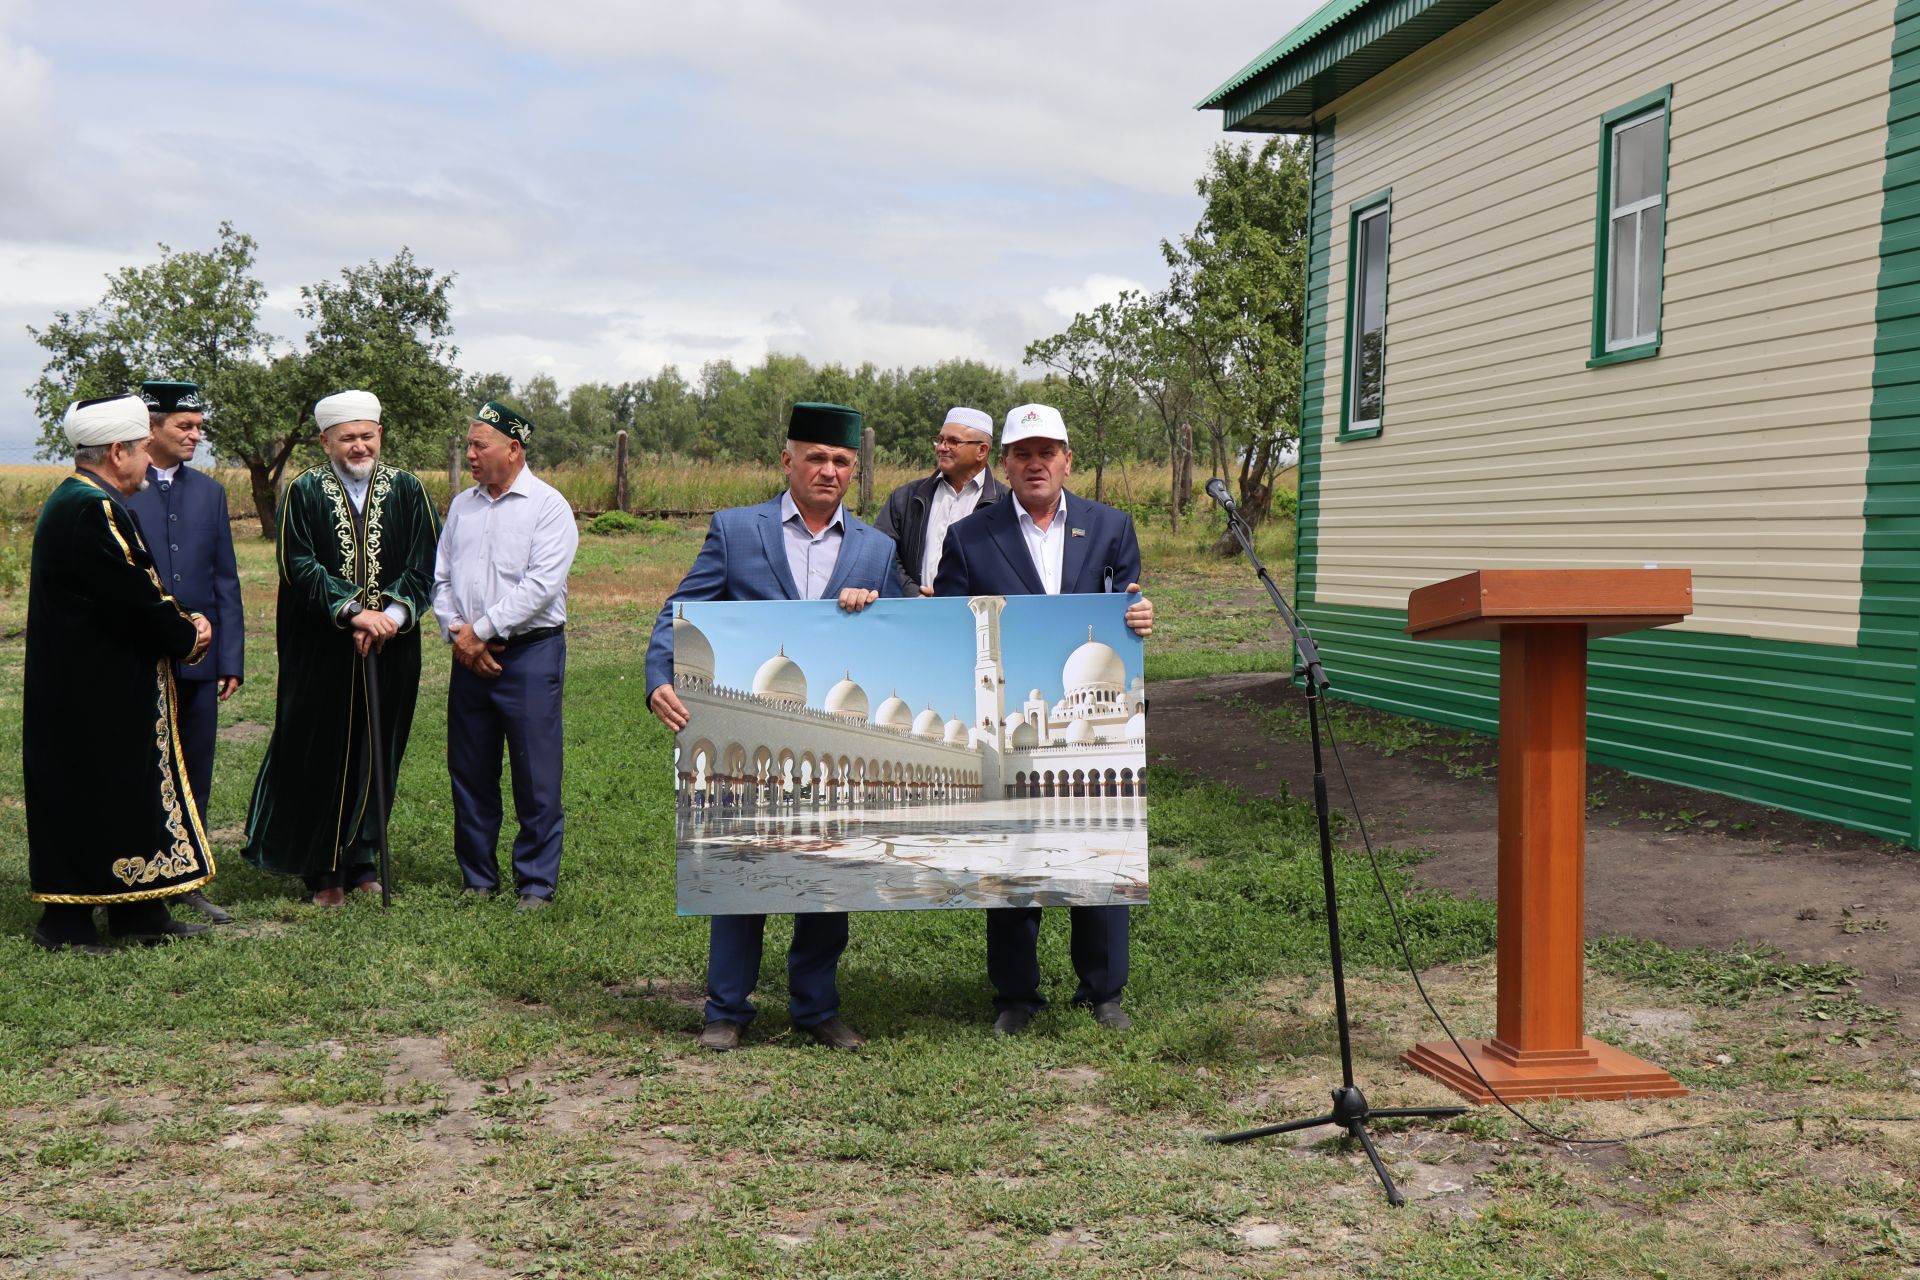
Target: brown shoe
column 369, row 887
column 836, row 1034
column 333, row 897
column 722, row 1037
column 212, row 911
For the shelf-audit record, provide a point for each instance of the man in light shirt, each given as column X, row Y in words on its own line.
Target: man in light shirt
column 500, row 592
column 1047, row 541
column 919, row 513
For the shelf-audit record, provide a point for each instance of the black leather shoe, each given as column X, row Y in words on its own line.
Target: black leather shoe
column 211, row 910
column 165, row 933
column 532, row 902
column 1012, row 1022
column 1111, row 1016
column 836, row 1034
column 722, row 1037
column 83, row 948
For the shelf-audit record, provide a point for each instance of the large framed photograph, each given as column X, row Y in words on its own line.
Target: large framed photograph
column 925, row 753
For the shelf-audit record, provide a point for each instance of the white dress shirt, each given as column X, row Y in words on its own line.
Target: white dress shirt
column 357, row 495
column 165, row 475
column 1048, row 547
column 502, row 563
column 811, row 556
column 948, row 506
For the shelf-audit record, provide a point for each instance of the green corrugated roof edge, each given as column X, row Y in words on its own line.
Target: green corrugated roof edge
column 1322, row 18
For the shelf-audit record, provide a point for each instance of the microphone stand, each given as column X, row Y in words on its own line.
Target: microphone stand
column 1350, row 1108
column 377, row 767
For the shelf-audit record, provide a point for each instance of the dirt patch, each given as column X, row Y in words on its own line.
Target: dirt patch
column 1819, row 893
column 245, row 731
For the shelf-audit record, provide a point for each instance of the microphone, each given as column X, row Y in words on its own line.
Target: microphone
column 1217, row 490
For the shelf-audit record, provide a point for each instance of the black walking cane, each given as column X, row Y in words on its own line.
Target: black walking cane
column 377, row 766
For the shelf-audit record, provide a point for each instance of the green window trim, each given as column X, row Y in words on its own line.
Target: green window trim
column 1599, row 354
column 1359, row 210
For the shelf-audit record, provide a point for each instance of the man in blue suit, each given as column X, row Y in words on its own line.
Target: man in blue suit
column 183, row 517
column 803, row 545
column 1047, row 541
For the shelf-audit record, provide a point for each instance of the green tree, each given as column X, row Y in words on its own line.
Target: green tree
column 1237, row 298
column 1088, row 355
column 1159, row 364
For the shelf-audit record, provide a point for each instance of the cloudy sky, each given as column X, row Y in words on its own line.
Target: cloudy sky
column 619, row 184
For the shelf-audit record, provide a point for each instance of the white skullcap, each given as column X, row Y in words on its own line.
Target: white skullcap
column 962, row 417
column 92, row 422
column 347, row 406
column 1033, row 422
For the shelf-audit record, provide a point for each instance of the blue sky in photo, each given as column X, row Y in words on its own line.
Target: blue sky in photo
column 621, row 184
column 923, row 649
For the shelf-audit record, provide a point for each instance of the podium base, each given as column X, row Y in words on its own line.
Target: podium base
column 1598, row 1071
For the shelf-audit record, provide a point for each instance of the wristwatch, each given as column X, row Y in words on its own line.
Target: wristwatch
column 354, row 609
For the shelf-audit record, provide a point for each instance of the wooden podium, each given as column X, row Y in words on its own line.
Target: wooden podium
column 1543, row 619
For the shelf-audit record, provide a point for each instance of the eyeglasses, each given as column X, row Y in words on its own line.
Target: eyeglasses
column 954, row 442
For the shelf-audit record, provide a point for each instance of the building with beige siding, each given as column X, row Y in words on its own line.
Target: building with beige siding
column 1606, row 285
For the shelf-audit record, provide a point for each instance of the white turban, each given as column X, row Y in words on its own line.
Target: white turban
column 959, row 417
column 347, row 406
column 93, row 422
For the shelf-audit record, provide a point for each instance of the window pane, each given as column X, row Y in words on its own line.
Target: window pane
column 1620, row 275
column 1648, row 304
column 1370, row 320
column 1636, row 161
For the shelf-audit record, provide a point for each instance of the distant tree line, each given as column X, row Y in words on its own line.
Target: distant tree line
column 1202, row 372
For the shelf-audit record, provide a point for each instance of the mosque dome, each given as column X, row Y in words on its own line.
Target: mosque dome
column 1137, row 725
column 780, row 679
column 1015, row 720
column 847, row 700
column 1025, row 738
column 928, row 724
column 1079, row 731
column 957, row 733
column 1093, row 665
column 692, row 653
column 1034, row 695
column 894, row 714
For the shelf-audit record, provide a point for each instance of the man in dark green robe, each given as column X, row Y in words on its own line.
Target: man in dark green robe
column 356, row 547
column 110, row 815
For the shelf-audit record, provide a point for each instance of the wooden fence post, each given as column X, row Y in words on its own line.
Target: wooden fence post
column 620, row 470
column 866, row 472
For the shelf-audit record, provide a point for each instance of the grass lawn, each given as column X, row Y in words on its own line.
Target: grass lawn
column 454, row 1089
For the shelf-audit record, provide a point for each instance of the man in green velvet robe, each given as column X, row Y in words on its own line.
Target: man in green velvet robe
column 110, row 815
column 356, row 572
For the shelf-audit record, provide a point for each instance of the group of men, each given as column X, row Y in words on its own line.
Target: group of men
column 959, row 532
column 135, row 634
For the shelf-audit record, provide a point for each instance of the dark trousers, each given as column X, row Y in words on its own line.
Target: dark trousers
column 198, row 702
column 733, row 966
column 519, row 708
column 1098, row 947
column 73, row 921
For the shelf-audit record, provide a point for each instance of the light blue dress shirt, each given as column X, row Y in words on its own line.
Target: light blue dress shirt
column 811, row 556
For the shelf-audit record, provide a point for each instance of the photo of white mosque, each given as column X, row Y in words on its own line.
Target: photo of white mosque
column 803, row 790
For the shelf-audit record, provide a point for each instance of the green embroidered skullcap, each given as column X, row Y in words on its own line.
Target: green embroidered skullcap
column 506, row 419
column 833, row 424
column 172, row 397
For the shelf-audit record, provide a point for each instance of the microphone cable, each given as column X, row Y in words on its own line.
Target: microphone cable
column 1406, row 953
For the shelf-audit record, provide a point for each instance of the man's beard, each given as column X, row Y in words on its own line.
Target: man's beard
column 357, row 471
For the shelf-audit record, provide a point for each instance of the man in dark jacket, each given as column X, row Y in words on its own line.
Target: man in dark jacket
column 183, row 516
column 919, row 513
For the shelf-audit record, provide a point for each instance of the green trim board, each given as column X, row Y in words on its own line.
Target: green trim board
column 1358, row 211
column 1339, row 47
column 1599, row 355
column 1828, row 731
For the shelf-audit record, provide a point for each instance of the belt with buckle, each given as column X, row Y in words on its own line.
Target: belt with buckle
column 528, row 637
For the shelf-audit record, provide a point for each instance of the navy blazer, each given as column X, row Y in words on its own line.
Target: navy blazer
column 745, row 558
column 185, row 527
column 985, row 554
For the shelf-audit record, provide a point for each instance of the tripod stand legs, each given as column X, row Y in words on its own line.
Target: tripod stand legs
column 1350, row 1112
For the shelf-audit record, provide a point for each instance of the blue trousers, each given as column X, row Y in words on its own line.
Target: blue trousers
column 1098, row 948
column 733, row 966
column 519, row 709
column 198, row 702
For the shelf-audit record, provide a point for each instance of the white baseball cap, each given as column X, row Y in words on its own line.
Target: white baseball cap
column 1033, row 422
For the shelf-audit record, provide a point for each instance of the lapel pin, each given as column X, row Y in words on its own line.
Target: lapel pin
column 1079, row 533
